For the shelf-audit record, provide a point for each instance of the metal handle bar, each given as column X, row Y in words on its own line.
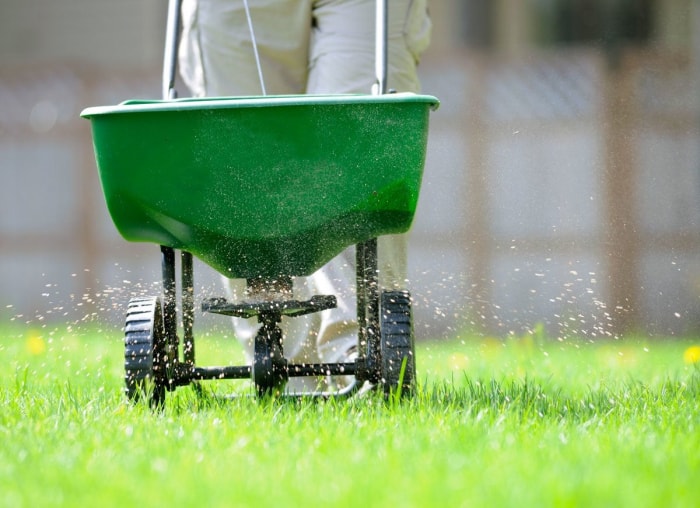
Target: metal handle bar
column 172, row 37
column 380, row 47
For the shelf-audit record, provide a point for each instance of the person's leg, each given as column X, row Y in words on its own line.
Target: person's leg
column 216, row 55
column 342, row 57
column 342, row 60
column 216, row 58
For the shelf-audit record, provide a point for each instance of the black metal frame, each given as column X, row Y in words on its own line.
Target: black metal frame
column 270, row 369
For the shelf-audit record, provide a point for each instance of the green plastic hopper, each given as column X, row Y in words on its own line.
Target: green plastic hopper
column 262, row 186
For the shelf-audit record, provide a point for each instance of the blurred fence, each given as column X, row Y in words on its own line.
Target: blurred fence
column 574, row 182
column 562, row 188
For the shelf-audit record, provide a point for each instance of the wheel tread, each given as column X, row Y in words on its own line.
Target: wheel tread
column 143, row 344
column 397, row 342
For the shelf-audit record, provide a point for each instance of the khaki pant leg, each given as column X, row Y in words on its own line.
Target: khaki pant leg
column 342, row 51
column 342, row 60
column 216, row 56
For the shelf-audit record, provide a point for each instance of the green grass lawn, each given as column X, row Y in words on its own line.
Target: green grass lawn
column 517, row 422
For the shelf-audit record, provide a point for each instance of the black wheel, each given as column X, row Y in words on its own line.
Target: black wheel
column 398, row 363
column 144, row 351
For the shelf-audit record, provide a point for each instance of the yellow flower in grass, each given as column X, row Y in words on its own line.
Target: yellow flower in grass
column 35, row 344
column 458, row 361
column 692, row 355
